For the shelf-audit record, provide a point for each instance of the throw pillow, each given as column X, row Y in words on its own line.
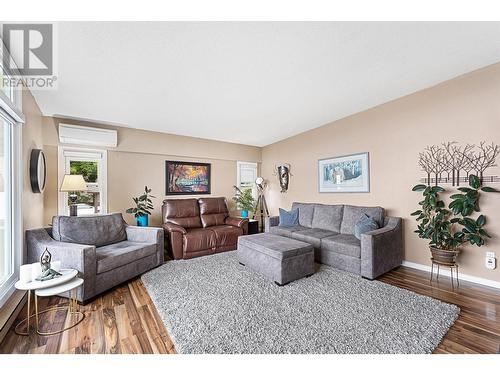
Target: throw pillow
column 289, row 219
column 365, row 224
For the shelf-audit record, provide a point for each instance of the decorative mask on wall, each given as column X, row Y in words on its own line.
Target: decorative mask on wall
column 283, row 173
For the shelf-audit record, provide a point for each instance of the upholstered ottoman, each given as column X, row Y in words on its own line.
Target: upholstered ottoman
column 281, row 259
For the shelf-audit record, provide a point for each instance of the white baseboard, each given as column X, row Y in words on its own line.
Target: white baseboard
column 446, row 272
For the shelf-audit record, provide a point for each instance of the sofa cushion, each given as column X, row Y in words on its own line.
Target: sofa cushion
column 306, row 211
column 122, row 253
column 353, row 213
column 289, row 218
column 328, row 217
column 183, row 212
column 346, row 244
column 226, row 235
column 285, row 231
column 312, row 236
column 213, row 211
column 197, row 239
column 277, row 247
column 364, row 225
column 98, row 230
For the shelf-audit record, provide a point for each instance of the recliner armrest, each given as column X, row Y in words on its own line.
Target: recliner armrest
column 171, row 227
column 237, row 222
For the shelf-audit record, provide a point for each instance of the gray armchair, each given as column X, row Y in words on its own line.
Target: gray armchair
column 330, row 229
column 104, row 249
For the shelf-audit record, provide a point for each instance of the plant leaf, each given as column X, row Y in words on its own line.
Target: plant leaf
column 419, row 187
column 481, row 220
column 474, row 182
column 489, row 189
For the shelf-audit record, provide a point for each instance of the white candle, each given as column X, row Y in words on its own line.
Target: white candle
column 25, row 273
column 36, row 270
column 56, row 266
column 337, row 178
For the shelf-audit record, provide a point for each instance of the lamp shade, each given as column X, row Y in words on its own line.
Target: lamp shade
column 73, row 182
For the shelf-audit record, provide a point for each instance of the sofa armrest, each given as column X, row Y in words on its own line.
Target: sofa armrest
column 171, row 227
column 237, row 222
column 148, row 235
column 79, row 257
column 382, row 249
column 271, row 221
column 143, row 234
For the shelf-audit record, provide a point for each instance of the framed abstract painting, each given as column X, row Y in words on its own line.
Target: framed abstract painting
column 344, row 174
column 187, row 178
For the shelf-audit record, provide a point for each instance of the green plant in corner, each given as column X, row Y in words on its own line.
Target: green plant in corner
column 143, row 204
column 448, row 228
column 244, row 199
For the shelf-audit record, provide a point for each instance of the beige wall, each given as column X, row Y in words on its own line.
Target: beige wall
column 465, row 109
column 33, row 203
column 139, row 160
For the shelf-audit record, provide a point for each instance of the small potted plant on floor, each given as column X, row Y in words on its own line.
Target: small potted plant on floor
column 143, row 205
column 450, row 227
column 244, row 200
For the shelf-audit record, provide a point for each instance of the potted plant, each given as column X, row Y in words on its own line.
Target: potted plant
column 448, row 228
column 244, row 200
column 143, row 205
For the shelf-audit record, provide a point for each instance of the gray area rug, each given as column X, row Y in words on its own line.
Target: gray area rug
column 213, row 304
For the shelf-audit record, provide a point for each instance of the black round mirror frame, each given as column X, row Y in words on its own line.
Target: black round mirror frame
column 37, row 156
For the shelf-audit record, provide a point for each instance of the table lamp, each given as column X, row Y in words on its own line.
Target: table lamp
column 71, row 184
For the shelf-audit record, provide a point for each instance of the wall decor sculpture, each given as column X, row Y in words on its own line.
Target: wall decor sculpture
column 283, row 173
column 452, row 163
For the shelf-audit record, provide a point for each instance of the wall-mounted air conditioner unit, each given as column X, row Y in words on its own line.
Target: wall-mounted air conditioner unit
column 87, row 136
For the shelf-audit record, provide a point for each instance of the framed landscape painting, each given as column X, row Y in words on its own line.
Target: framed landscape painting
column 344, row 174
column 184, row 178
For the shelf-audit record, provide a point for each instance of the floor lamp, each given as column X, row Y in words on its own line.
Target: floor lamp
column 261, row 206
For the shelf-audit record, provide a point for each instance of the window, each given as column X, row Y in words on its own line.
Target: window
column 5, row 255
column 11, row 118
column 246, row 175
column 91, row 164
column 7, row 89
column 10, row 206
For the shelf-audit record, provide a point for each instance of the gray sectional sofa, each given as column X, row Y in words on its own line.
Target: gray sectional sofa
column 330, row 230
column 102, row 248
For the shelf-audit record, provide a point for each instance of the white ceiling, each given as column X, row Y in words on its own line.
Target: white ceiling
column 253, row 83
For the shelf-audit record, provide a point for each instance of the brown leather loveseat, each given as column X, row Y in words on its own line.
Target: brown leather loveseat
column 196, row 227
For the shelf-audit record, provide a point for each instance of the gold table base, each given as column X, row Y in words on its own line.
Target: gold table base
column 71, row 308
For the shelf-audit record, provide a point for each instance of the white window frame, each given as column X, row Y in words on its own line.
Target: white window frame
column 248, row 164
column 102, row 172
column 12, row 108
column 11, row 111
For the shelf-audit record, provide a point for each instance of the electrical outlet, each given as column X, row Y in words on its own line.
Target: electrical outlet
column 490, row 260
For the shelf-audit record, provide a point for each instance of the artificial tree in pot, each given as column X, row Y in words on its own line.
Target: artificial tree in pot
column 450, row 227
column 244, row 200
column 143, row 205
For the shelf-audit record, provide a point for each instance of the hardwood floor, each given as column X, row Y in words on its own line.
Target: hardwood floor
column 124, row 320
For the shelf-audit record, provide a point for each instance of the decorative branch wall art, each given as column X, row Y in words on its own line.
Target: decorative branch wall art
column 452, row 163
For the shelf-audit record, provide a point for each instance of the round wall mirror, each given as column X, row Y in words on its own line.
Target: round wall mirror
column 38, row 172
